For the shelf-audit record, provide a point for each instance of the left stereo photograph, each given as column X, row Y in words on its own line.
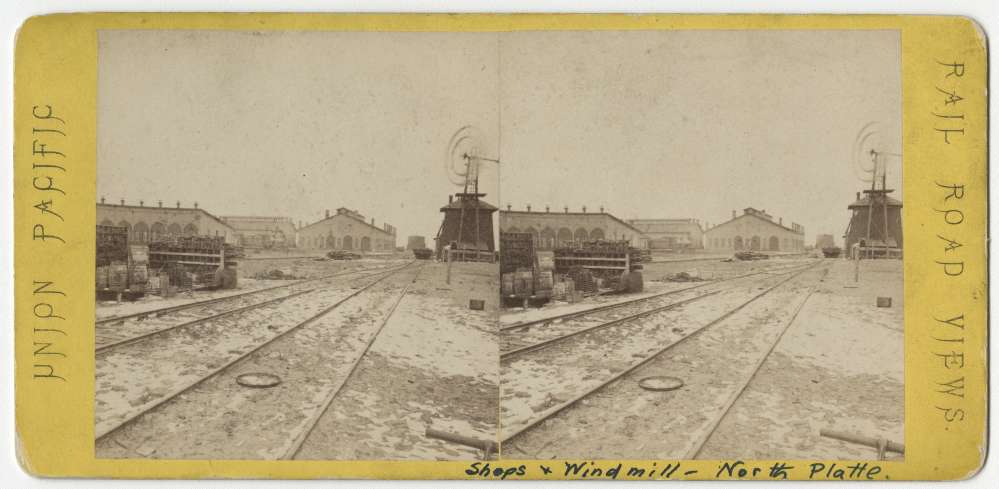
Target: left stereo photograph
column 296, row 246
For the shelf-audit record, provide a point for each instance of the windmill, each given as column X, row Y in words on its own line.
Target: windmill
column 871, row 154
column 463, row 160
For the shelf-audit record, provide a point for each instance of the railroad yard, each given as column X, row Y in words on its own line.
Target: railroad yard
column 336, row 360
column 740, row 359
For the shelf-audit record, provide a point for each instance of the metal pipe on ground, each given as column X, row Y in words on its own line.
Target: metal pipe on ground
column 487, row 446
column 875, row 443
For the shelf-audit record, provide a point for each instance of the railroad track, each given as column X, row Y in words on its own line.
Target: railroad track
column 108, row 424
column 112, row 333
column 574, row 314
column 566, row 326
column 294, row 449
column 162, row 311
column 695, row 449
column 523, row 426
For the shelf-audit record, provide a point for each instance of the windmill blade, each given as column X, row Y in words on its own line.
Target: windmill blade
column 864, row 153
column 462, row 157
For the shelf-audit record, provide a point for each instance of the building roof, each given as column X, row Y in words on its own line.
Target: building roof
column 758, row 215
column 865, row 201
column 350, row 216
column 467, row 203
column 673, row 223
column 257, row 223
column 589, row 214
column 168, row 209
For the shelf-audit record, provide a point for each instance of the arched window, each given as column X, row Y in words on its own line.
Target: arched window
column 755, row 243
column 158, row 230
column 513, row 229
column 107, row 222
column 365, row 244
column 547, row 238
column 348, row 242
column 140, row 232
column 564, row 236
column 580, row 235
column 174, row 229
column 190, row 230
column 534, row 234
column 597, row 233
column 774, row 243
column 738, row 242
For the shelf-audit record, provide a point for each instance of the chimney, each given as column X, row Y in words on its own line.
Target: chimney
column 508, row 207
column 450, row 199
column 546, row 209
column 372, row 221
column 327, row 213
column 142, row 204
column 102, row 199
column 528, row 207
column 601, row 209
column 178, row 204
column 122, row 201
column 733, row 213
column 566, row 208
column 195, row 205
column 584, row 209
column 780, row 220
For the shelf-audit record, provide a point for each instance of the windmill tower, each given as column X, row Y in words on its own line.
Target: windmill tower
column 876, row 223
column 468, row 220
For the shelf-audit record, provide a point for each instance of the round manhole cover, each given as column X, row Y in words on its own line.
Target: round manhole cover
column 258, row 380
column 660, row 383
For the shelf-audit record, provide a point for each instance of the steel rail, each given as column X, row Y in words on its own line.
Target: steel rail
column 106, row 348
column 570, row 315
column 179, row 307
column 507, row 356
column 698, row 445
column 212, row 373
column 557, row 409
column 296, row 445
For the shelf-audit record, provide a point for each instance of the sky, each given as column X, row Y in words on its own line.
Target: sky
column 695, row 124
column 293, row 124
column 648, row 124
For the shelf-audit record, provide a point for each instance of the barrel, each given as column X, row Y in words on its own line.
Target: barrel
column 524, row 282
column 508, row 281
column 139, row 275
column 102, row 277
column 543, row 281
column 117, row 276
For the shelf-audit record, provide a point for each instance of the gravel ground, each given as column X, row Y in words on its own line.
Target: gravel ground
column 652, row 275
column 434, row 365
column 134, row 377
column 236, row 422
column 718, row 269
column 519, row 337
column 840, row 366
column 110, row 309
column 535, row 383
column 623, row 420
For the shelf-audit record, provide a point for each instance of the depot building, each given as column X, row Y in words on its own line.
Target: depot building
column 755, row 230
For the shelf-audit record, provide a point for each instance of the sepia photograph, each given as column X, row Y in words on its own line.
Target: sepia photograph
column 296, row 246
column 518, row 245
column 701, row 244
